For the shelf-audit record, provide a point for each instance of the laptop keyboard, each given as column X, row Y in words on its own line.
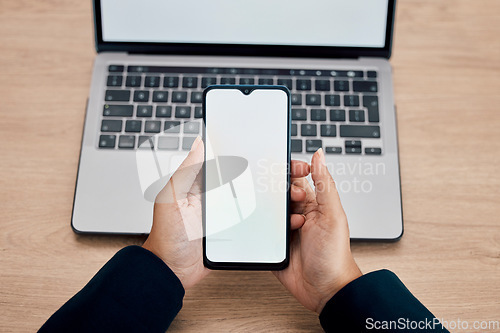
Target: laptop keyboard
column 159, row 107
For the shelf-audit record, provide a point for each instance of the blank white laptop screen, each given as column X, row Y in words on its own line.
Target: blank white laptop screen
column 343, row 23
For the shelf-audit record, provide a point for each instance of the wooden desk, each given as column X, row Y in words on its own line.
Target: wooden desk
column 447, row 83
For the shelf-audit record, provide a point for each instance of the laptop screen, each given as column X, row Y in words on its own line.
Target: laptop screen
column 337, row 23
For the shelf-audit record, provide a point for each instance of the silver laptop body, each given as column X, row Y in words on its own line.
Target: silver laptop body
column 139, row 123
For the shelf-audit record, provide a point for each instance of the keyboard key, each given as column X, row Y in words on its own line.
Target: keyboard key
column 198, row 112
column 140, row 69
column 152, row 81
column 313, row 145
column 308, row 130
column 322, row 85
column 357, row 115
column 328, row 130
column 133, row 81
column 111, row 110
column 144, row 111
column 332, row 100
column 341, row 85
column 179, row 97
column 333, row 73
column 146, row 141
column 294, row 130
column 364, row 86
column 286, row 82
column 246, row 80
column 116, row 68
column 373, row 151
column 371, row 103
column 141, row 96
column 172, row 127
column 115, row 81
column 208, row 81
column 303, row 84
column 133, row 126
column 227, row 80
column 192, row 127
column 268, row 71
column 163, row 111
column 171, row 82
column 333, row 150
column 111, row 126
column 371, row 74
column 250, row 71
column 318, row 114
column 351, row 100
column 152, row 126
column 266, row 81
column 359, row 131
column 337, row 115
column 107, row 141
column 126, row 141
column 170, row 143
column 313, row 99
column 350, row 73
column 296, row 99
column 353, row 150
column 190, row 82
column 299, row 114
column 196, row 97
column 160, row 96
column 117, row 95
column 183, row 112
column 353, row 143
column 296, row 146
column 187, row 142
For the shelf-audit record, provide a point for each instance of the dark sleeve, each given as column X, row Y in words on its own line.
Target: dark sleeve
column 377, row 302
column 134, row 292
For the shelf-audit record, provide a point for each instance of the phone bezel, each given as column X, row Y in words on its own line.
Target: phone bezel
column 242, row 265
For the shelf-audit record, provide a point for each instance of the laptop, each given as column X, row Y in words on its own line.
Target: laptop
column 155, row 57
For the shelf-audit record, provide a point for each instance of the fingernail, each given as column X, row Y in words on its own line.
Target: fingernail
column 196, row 143
column 321, row 156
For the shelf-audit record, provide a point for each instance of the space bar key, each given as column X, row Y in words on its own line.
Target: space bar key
column 359, row 131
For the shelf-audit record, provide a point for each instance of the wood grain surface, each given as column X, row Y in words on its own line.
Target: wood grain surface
column 446, row 64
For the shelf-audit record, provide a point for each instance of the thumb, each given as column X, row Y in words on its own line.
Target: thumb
column 184, row 177
column 327, row 196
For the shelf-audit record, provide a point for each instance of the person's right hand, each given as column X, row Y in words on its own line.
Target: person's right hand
column 321, row 262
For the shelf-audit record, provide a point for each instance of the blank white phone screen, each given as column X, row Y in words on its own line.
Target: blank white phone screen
column 246, row 175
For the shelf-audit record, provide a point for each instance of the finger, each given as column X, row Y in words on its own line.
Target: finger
column 195, row 191
column 187, row 172
column 299, row 169
column 303, row 184
column 326, row 191
column 299, row 206
column 297, row 193
column 297, row 221
column 184, row 177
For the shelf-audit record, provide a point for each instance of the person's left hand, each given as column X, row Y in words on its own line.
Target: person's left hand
column 176, row 235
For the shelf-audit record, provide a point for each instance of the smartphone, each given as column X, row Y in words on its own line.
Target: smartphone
column 246, row 183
